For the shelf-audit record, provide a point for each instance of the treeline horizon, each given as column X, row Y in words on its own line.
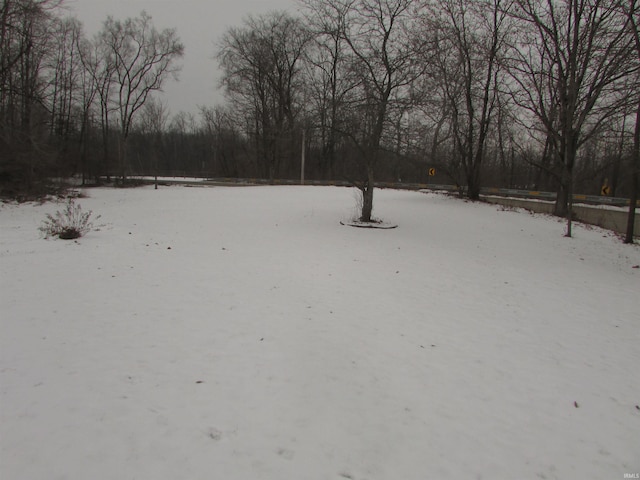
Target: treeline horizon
column 531, row 94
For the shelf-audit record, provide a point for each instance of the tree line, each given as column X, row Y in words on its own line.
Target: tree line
column 69, row 104
column 535, row 94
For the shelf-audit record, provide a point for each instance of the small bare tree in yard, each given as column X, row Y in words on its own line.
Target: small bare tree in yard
column 380, row 57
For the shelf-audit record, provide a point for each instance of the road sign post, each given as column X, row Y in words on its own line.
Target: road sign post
column 431, row 173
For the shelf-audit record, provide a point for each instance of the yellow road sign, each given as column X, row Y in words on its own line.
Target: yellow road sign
column 605, row 190
column 432, row 172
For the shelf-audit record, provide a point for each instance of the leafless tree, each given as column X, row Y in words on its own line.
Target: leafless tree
column 65, row 79
column 632, row 14
column 570, row 63
column 153, row 124
column 99, row 67
column 223, row 140
column 182, row 128
column 261, row 63
column 138, row 59
column 328, row 86
column 88, row 91
column 380, row 60
column 25, row 45
column 466, row 60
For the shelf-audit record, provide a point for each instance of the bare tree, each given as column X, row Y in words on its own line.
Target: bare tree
column 466, row 59
column 431, row 125
column 223, row 139
column 570, row 62
column 261, row 65
column 182, row 128
column 380, row 59
column 65, row 82
column 632, row 12
column 88, row 91
column 99, row 70
column 25, row 46
column 329, row 86
column 18, row 37
column 153, row 124
column 138, row 60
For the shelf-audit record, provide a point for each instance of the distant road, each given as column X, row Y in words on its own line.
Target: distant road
column 502, row 192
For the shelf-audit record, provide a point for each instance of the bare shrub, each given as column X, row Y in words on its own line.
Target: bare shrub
column 69, row 223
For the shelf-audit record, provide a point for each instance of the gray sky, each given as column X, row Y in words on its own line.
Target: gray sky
column 199, row 24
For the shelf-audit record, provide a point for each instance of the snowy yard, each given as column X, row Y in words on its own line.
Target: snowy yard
column 243, row 333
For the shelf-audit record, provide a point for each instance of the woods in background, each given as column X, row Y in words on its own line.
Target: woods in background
column 535, row 94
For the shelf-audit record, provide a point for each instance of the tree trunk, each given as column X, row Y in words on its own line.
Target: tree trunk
column 473, row 190
column 473, row 181
column 570, row 152
column 635, row 167
column 122, row 147
column 367, row 196
column 272, row 172
column 83, row 146
column 562, row 200
column 570, row 207
column 105, row 144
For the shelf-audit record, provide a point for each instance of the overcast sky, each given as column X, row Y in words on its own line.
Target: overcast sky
column 199, row 24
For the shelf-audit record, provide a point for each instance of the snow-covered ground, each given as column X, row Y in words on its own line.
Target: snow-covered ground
column 243, row 333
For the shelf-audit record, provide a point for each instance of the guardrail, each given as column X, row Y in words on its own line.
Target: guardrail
column 505, row 192
column 535, row 194
column 586, row 209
